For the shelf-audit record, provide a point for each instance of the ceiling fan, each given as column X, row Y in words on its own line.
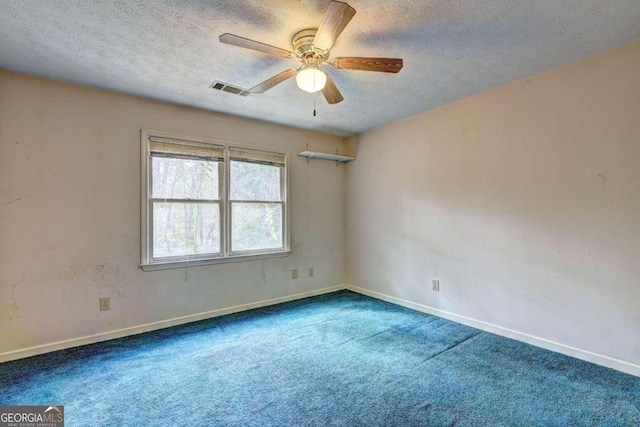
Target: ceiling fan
column 312, row 48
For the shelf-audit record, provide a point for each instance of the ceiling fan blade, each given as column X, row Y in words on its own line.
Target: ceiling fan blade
column 385, row 65
column 254, row 45
column 331, row 92
column 336, row 17
column 273, row 81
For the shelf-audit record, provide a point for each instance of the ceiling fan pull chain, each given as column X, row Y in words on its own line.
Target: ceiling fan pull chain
column 314, row 104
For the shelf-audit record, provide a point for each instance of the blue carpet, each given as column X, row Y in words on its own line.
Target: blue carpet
column 336, row 360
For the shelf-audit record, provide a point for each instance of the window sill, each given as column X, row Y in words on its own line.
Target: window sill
column 199, row 262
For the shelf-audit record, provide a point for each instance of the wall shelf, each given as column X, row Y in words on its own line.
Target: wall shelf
column 325, row 156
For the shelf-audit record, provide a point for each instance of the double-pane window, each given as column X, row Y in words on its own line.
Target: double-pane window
column 210, row 201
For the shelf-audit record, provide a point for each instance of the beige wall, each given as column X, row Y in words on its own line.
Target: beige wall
column 524, row 201
column 70, row 214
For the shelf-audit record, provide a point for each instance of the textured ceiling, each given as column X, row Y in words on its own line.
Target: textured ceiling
column 169, row 50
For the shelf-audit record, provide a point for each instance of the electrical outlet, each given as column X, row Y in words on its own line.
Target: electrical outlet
column 310, row 271
column 294, row 273
column 435, row 285
column 105, row 303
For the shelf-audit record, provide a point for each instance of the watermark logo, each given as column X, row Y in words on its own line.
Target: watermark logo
column 31, row 416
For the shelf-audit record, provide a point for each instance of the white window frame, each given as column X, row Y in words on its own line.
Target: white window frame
column 148, row 263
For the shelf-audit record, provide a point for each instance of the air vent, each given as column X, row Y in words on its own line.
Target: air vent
column 229, row 88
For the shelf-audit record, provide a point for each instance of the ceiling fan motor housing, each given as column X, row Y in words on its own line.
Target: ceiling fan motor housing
column 305, row 51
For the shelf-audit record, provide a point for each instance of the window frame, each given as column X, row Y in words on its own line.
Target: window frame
column 225, row 255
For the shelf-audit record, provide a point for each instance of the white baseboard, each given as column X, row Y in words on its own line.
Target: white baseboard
column 589, row 356
column 147, row 327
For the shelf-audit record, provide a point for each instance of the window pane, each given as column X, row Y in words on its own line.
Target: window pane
column 256, row 226
column 184, row 178
column 253, row 181
column 185, row 229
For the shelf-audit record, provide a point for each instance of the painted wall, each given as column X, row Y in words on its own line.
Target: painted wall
column 70, row 214
column 524, row 201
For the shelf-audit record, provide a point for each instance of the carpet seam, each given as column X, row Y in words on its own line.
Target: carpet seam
column 450, row 348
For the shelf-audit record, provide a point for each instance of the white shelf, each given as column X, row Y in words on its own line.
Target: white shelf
column 326, row 156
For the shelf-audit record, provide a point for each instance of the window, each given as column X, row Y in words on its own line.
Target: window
column 205, row 202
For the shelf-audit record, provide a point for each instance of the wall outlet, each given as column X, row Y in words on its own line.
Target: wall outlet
column 294, row 273
column 105, row 303
column 435, row 285
column 310, row 271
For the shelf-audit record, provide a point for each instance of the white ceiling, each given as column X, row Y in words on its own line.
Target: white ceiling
column 169, row 50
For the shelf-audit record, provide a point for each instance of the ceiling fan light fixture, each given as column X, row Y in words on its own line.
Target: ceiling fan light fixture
column 311, row 79
column 312, row 47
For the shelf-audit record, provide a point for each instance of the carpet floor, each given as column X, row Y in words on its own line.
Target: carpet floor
column 340, row 359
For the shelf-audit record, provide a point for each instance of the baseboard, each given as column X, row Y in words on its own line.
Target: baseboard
column 589, row 356
column 148, row 327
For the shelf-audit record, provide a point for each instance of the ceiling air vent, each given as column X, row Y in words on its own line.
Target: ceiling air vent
column 229, row 88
